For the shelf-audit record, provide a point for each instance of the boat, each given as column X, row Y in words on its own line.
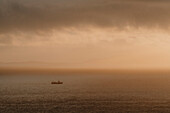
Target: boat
column 58, row 82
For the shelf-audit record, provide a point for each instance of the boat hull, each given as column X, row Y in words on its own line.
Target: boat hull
column 56, row 82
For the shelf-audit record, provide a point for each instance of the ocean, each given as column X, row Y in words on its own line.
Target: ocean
column 85, row 93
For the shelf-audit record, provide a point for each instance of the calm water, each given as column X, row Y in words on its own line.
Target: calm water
column 85, row 94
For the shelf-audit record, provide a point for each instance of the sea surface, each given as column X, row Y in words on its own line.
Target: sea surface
column 85, row 94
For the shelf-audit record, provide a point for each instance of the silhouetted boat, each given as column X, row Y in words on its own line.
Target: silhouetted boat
column 57, row 82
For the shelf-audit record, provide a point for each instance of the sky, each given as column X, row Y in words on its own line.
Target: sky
column 111, row 34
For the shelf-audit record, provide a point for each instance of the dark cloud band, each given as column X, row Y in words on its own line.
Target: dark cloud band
column 43, row 15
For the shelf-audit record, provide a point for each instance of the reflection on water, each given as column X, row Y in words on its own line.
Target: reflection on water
column 85, row 94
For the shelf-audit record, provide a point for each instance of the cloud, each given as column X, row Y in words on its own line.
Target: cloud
column 29, row 15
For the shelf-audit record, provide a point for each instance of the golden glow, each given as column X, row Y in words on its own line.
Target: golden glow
column 90, row 47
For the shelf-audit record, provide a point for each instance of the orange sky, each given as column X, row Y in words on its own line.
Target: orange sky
column 132, row 34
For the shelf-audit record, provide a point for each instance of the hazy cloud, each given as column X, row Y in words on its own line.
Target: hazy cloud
column 24, row 15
